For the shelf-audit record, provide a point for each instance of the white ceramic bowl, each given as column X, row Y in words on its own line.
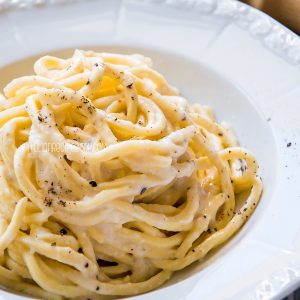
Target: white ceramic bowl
column 218, row 52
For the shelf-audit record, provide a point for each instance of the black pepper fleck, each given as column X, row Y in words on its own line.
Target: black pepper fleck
column 143, row 190
column 63, row 231
column 62, row 203
column 47, row 202
column 52, row 191
column 93, row 183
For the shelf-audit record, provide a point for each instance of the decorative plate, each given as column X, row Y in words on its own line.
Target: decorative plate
column 218, row 52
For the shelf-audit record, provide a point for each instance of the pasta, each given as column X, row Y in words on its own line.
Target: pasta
column 110, row 180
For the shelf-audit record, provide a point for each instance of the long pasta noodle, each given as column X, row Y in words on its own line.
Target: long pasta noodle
column 111, row 180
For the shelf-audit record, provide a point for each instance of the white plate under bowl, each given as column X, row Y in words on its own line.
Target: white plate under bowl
column 217, row 52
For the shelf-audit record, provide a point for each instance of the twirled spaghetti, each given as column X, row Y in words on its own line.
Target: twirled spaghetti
column 110, row 180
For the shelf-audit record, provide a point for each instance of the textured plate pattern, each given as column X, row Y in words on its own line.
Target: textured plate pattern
column 274, row 36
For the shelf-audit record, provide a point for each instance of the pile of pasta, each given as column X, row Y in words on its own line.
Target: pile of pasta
column 110, row 180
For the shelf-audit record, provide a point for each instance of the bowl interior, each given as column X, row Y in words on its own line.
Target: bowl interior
column 199, row 83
